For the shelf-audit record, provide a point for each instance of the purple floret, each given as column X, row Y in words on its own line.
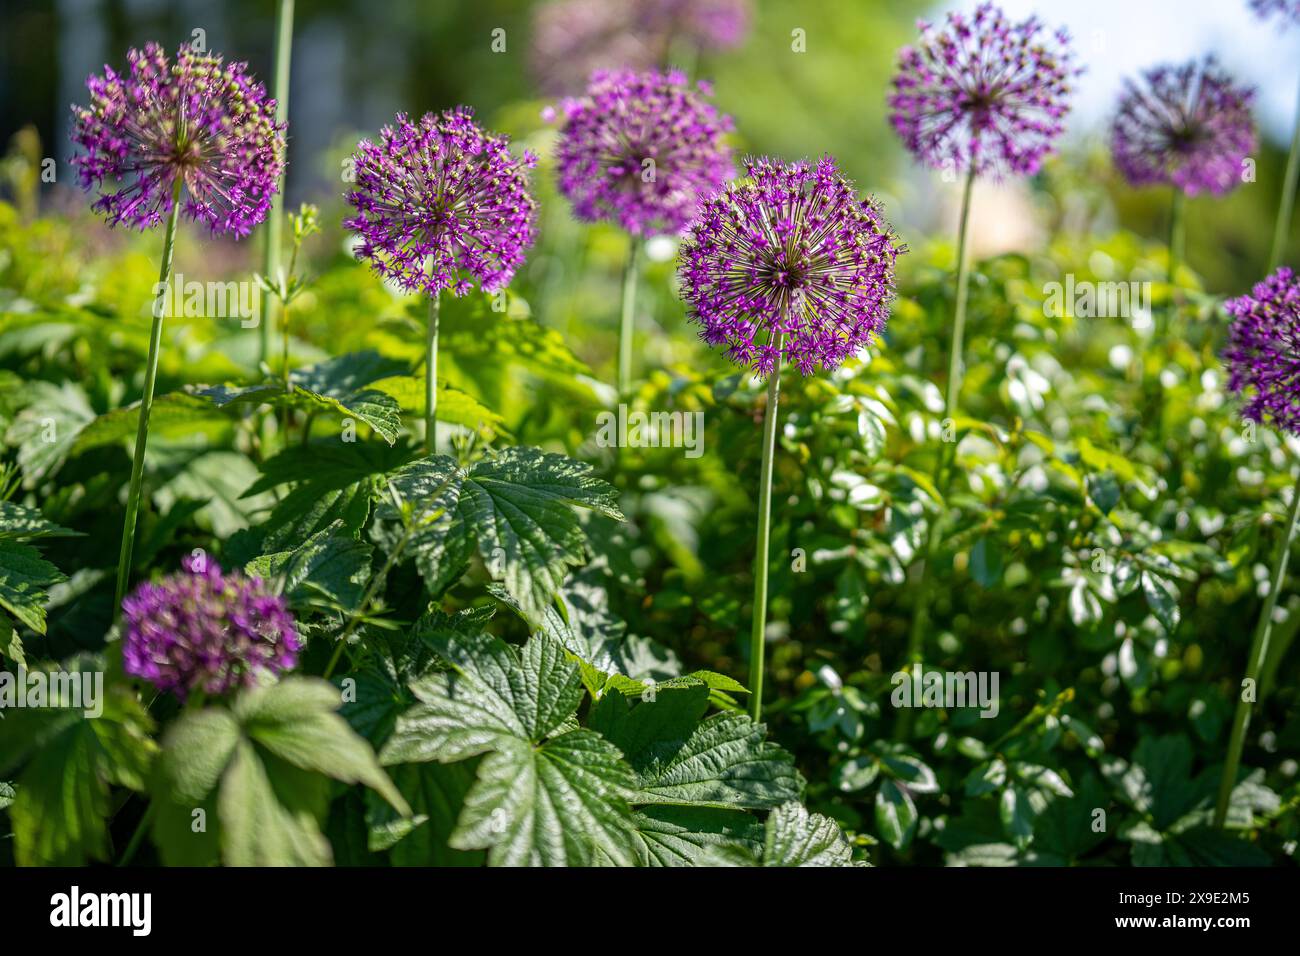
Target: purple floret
column 641, row 150
column 202, row 630
column 983, row 93
column 1263, row 353
column 442, row 204
column 202, row 122
column 790, row 248
column 1186, row 126
column 1289, row 9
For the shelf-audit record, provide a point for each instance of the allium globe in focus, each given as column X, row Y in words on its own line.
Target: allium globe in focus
column 1263, row 353
column 792, row 249
column 983, row 93
column 206, row 631
column 641, row 150
column 1187, row 126
column 441, row 204
column 200, row 122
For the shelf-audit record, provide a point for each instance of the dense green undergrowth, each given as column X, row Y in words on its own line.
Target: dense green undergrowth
column 526, row 650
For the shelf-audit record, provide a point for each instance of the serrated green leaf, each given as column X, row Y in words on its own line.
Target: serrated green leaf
column 45, row 431
column 436, row 793
column 69, row 759
column 454, row 406
column 328, row 567
column 25, row 580
column 550, row 805
column 173, row 413
column 335, row 386
column 792, row 837
column 684, row 836
column 518, row 508
column 720, row 762
column 20, row 523
column 535, row 801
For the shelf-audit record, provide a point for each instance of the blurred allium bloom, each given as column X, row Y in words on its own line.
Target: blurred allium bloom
column 793, row 249
column 441, row 203
column 574, row 38
column 641, row 150
column 1186, row 126
column 202, row 630
column 983, row 93
column 200, row 121
column 1267, row 8
column 1263, row 353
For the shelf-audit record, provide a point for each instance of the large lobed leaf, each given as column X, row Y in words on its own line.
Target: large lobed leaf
column 536, row 800
column 259, row 771
column 517, row 508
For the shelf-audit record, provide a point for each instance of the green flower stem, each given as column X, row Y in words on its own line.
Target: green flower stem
column 955, row 364
column 146, row 405
column 627, row 323
column 943, row 464
column 1177, row 241
column 275, row 218
column 431, row 377
column 1153, row 389
column 1258, row 651
column 1287, row 203
column 757, row 644
column 137, row 837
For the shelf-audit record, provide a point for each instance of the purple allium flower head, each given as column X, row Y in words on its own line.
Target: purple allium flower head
column 1289, row 9
column 1263, row 353
column 790, row 248
column 574, row 38
column 441, row 203
column 202, row 630
column 983, row 93
column 1187, row 126
column 199, row 121
column 641, row 150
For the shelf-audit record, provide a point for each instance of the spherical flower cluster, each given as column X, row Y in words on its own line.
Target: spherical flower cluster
column 1263, row 353
column 574, row 38
column 790, row 252
column 205, row 631
column 641, row 150
column 200, row 123
column 983, row 93
column 1187, row 126
column 441, row 203
column 1289, row 9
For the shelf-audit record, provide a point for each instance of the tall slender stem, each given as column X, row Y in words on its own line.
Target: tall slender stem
column 431, row 376
column 146, row 402
column 1177, row 241
column 1287, row 203
column 757, row 645
column 1258, row 651
column 627, row 322
column 952, row 400
column 275, row 219
column 956, row 366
